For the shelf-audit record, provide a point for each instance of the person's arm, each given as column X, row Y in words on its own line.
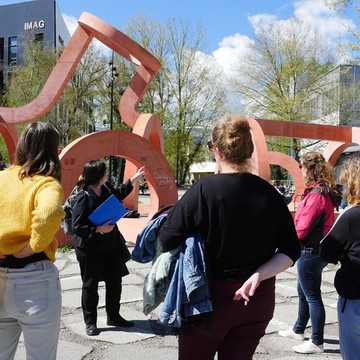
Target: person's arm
column 185, row 218
column 278, row 263
column 333, row 245
column 125, row 189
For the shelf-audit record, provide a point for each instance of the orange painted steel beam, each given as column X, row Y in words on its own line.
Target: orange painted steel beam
column 11, row 136
column 292, row 129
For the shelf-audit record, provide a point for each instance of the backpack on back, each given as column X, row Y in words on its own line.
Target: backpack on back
column 66, row 223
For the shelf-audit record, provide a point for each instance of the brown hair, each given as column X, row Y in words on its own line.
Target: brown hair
column 233, row 138
column 350, row 176
column 318, row 169
column 37, row 151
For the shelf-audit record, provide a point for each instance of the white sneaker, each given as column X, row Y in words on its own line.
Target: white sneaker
column 291, row 334
column 308, row 347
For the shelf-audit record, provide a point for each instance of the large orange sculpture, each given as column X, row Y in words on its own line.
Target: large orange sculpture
column 144, row 146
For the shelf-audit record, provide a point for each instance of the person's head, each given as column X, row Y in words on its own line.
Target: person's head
column 94, row 171
column 350, row 176
column 233, row 139
column 315, row 169
column 37, row 151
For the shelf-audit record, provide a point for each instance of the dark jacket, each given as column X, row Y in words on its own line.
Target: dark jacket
column 342, row 244
column 86, row 238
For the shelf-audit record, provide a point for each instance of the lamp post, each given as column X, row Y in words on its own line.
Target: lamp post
column 114, row 74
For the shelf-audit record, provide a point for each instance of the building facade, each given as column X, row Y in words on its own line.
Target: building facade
column 338, row 102
column 40, row 17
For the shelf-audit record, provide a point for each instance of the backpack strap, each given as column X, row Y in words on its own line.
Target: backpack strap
column 320, row 190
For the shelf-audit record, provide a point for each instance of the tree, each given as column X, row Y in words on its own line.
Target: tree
column 187, row 93
column 79, row 106
column 25, row 81
column 75, row 113
column 282, row 73
column 353, row 45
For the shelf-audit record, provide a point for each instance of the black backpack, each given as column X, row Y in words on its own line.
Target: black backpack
column 66, row 223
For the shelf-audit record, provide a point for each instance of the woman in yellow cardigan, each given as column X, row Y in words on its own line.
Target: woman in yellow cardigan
column 30, row 208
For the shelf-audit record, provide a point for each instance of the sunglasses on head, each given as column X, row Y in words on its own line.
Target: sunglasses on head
column 210, row 144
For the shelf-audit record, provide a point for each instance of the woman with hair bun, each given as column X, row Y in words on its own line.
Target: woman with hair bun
column 248, row 236
column 313, row 219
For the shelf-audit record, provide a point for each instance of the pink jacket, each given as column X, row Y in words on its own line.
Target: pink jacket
column 314, row 216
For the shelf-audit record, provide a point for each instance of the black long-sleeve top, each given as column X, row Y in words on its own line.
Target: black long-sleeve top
column 243, row 220
column 86, row 238
column 342, row 244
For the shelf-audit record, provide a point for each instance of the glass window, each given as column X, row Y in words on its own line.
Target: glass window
column 12, row 50
column 1, row 52
column 39, row 37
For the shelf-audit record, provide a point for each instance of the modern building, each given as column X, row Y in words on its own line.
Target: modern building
column 338, row 102
column 41, row 17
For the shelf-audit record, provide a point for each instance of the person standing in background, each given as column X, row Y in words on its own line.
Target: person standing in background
column 313, row 220
column 31, row 214
column 100, row 250
column 342, row 244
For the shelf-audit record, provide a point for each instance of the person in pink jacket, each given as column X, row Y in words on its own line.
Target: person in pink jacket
column 313, row 219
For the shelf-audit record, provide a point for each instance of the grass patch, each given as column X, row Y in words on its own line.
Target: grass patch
column 65, row 248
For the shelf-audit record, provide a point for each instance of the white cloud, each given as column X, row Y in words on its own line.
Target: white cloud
column 230, row 49
column 328, row 24
column 72, row 24
column 262, row 20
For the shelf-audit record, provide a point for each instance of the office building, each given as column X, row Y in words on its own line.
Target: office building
column 41, row 17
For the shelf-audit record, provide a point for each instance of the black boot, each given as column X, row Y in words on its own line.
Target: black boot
column 119, row 321
column 92, row 330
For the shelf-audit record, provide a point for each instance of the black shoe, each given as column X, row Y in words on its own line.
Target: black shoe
column 92, row 330
column 119, row 321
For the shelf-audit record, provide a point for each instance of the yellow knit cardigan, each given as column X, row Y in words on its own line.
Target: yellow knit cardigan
column 30, row 212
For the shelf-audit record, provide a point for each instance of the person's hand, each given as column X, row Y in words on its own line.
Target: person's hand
column 248, row 289
column 141, row 172
column 2, row 256
column 105, row 228
column 25, row 252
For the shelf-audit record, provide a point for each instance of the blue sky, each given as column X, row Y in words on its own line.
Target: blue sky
column 222, row 19
column 229, row 23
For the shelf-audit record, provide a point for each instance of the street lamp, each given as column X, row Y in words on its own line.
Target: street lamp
column 114, row 74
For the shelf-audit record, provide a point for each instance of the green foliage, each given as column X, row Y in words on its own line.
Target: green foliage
column 27, row 80
column 187, row 93
column 65, row 248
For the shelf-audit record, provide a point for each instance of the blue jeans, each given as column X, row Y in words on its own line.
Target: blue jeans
column 349, row 328
column 30, row 302
column 310, row 268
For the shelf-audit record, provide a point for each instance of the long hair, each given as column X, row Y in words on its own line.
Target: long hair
column 37, row 151
column 319, row 170
column 93, row 172
column 233, row 138
column 350, row 176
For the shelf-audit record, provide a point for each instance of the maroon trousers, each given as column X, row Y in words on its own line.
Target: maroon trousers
column 233, row 330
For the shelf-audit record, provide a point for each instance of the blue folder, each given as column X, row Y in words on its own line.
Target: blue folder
column 111, row 209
